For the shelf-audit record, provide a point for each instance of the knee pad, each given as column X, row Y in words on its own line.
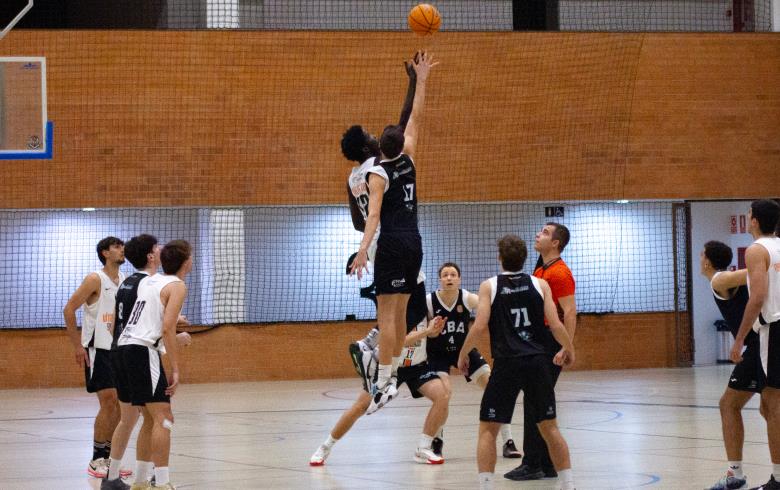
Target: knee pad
column 167, row 424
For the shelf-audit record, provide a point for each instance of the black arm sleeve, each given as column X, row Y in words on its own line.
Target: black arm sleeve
column 406, row 112
column 357, row 217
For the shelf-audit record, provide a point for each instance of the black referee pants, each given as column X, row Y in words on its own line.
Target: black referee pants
column 535, row 452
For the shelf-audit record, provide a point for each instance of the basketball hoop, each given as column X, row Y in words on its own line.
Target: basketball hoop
column 16, row 19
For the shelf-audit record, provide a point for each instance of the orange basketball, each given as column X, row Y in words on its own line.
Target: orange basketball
column 424, row 19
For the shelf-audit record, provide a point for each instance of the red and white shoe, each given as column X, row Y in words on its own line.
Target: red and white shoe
column 98, row 468
column 425, row 455
column 125, row 473
column 319, row 456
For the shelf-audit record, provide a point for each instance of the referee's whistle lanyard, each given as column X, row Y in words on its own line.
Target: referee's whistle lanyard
column 550, row 263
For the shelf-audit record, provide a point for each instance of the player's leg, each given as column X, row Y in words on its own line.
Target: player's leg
column 486, row 453
column 144, row 468
column 770, row 397
column 559, row 452
column 161, row 440
column 433, row 389
column 345, row 422
column 103, row 430
column 128, row 417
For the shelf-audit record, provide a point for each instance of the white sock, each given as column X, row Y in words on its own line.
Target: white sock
column 425, row 441
column 113, row 468
column 396, row 363
column 776, row 471
column 383, row 375
column 566, row 478
column 440, row 433
column 506, row 432
column 330, row 441
column 161, row 476
column 736, row 468
column 486, row 481
column 143, row 471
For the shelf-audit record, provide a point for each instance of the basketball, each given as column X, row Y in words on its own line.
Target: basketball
column 424, row 19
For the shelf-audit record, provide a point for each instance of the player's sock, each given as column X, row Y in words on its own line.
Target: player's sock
column 98, row 450
column 143, row 471
column 113, row 468
column 107, row 450
column 776, row 471
column 383, row 376
column 735, row 467
column 425, row 441
column 330, row 441
column 161, row 476
column 566, row 478
column 440, row 433
column 506, row 432
column 396, row 363
column 486, row 481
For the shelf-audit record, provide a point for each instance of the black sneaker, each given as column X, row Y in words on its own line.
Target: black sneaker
column 550, row 473
column 118, row 484
column 772, row 484
column 437, row 445
column 510, row 450
column 524, row 472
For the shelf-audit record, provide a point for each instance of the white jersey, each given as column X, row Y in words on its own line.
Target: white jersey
column 770, row 311
column 145, row 323
column 358, row 185
column 98, row 318
column 417, row 353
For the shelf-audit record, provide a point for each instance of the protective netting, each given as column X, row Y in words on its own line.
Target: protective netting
column 274, row 264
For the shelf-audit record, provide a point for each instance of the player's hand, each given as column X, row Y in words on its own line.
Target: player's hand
column 182, row 321
column 463, row 364
column 409, row 67
column 435, row 327
column 736, row 351
column 183, row 339
column 82, row 358
column 423, row 62
column 359, row 264
column 172, row 384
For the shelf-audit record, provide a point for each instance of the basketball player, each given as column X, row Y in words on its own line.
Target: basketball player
column 421, row 379
column 150, row 324
column 393, row 201
column 549, row 242
column 762, row 259
column 513, row 307
column 456, row 306
column 731, row 295
column 97, row 294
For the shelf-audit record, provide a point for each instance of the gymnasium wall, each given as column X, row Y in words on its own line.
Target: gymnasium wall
column 44, row 358
column 228, row 118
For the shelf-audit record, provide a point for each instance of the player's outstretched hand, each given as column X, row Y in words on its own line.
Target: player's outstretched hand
column 463, row 363
column 359, row 264
column 172, row 384
column 409, row 67
column 435, row 326
column 423, row 62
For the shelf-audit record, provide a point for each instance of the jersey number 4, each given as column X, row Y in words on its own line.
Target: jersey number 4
column 136, row 313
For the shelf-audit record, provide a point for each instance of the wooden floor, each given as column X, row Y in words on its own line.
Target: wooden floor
column 626, row 429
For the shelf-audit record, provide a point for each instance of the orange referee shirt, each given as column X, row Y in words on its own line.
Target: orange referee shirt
column 561, row 281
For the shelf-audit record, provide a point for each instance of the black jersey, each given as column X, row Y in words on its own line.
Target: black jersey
column 733, row 310
column 516, row 316
column 125, row 299
column 456, row 323
column 399, row 205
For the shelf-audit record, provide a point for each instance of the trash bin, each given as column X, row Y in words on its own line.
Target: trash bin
column 725, row 341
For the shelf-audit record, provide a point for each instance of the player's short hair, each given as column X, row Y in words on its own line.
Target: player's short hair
column 105, row 244
column 560, row 233
column 174, row 254
column 449, row 264
column 353, row 143
column 512, row 252
column 719, row 254
column 138, row 248
column 392, row 141
column 767, row 213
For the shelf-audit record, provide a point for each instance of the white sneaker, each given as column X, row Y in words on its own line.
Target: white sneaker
column 319, row 456
column 98, row 468
column 382, row 395
column 425, row 455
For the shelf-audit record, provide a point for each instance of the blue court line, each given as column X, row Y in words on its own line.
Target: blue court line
column 39, row 155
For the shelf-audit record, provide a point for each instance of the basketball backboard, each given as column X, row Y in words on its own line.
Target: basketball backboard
column 25, row 132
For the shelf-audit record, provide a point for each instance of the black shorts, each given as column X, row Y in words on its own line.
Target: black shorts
column 415, row 377
column 441, row 362
column 748, row 375
column 769, row 349
column 397, row 262
column 533, row 375
column 98, row 375
column 141, row 377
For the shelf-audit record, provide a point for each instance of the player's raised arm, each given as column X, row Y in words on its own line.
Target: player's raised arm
column 422, row 64
column 406, row 111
